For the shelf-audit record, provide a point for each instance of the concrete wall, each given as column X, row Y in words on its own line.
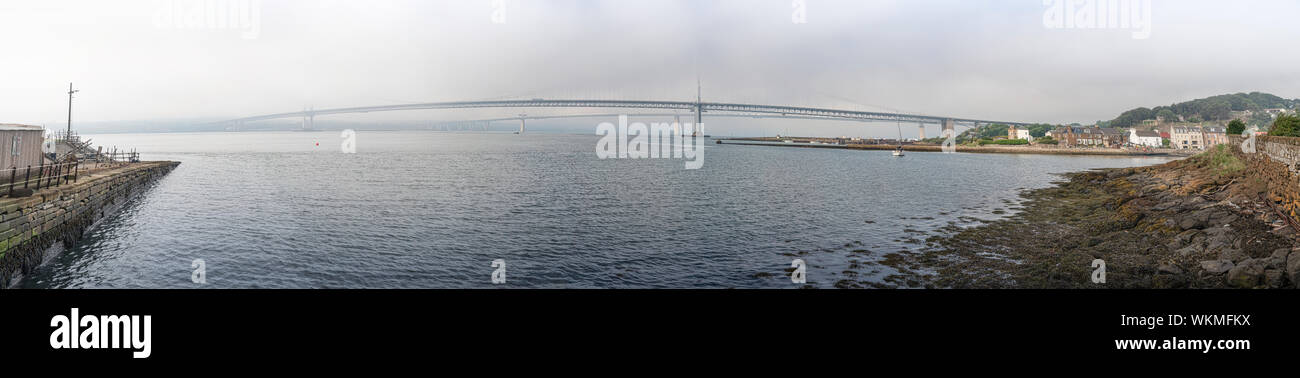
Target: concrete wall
column 31, row 225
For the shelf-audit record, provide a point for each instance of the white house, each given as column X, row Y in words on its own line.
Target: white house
column 1144, row 138
column 1019, row 133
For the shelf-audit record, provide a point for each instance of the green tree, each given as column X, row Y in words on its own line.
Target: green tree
column 1217, row 110
column 1236, row 127
column 1285, row 125
column 1167, row 115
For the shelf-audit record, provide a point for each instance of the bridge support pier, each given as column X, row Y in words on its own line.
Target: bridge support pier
column 699, row 120
column 922, row 134
column 521, row 125
column 948, row 124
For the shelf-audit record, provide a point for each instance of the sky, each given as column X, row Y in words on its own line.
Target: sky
column 171, row 60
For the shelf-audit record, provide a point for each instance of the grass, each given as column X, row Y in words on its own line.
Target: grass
column 1220, row 160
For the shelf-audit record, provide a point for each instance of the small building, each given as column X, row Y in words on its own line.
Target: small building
column 1187, row 138
column 20, row 146
column 1144, row 138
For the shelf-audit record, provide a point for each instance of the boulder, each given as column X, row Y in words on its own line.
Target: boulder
column 1218, row 239
column 1293, row 268
column 1234, row 255
column 1247, row 274
column 1169, row 269
column 1217, row 266
column 1273, row 278
column 1278, row 259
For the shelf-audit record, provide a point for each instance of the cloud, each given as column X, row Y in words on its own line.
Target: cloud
column 983, row 59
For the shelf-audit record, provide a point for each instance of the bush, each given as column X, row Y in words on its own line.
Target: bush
column 1285, row 125
column 1012, row 142
column 1236, row 127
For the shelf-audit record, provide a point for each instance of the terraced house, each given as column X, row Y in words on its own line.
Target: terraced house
column 1187, row 138
column 1214, row 135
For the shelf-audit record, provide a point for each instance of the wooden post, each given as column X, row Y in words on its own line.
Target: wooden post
column 13, row 173
column 28, row 178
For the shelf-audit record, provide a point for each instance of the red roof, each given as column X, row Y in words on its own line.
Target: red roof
column 1164, row 135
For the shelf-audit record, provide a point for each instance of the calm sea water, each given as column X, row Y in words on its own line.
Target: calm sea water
column 416, row 209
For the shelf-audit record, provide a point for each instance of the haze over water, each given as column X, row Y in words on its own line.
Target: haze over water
column 420, row 209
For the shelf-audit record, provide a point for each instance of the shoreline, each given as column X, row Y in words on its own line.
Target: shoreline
column 960, row 148
column 1182, row 224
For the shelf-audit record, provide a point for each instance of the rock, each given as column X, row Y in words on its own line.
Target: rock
column 1273, row 278
column 1217, row 266
column 1228, row 220
column 1169, row 269
column 1278, row 259
column 1247, row 274
column 1293, row 268
column 1187, row 223
column 24, row 192
column 1169, row 281
column 1234, row 255
column 1218, row 239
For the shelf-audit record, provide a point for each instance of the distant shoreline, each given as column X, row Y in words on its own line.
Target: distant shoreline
column 961, row 148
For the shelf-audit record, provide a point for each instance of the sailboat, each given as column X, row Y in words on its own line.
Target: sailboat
column 898, row 152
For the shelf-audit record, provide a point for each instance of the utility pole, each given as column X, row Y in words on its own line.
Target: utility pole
column 68, row 136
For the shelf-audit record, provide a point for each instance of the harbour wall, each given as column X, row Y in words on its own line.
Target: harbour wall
column 1276, row 161
column 29, row 226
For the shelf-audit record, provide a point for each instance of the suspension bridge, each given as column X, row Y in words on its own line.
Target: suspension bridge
column 696, row 108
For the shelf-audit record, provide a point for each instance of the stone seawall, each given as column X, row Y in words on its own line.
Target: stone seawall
column 1277, row 162
column 31, row 225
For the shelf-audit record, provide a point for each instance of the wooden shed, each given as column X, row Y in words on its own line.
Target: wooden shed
column 20, row 146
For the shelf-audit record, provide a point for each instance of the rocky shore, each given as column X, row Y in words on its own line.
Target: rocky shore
column 1200, row 222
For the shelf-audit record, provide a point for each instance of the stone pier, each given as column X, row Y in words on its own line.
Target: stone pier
column 31, row 225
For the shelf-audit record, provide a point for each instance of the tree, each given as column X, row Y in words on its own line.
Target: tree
column 1285, row 125
column 1217, row 110
column 1039, row 130
column 1236, row 127
column 1167, row 115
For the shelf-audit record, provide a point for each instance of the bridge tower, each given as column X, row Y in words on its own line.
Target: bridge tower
column 521, row 125
column 948, row 124
column 699, row 109
column 309, row 119
column 921, row 126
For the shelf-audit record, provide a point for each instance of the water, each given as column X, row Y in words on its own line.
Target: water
column 416, row 209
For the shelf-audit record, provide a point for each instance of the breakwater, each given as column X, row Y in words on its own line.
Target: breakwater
column 30, row 225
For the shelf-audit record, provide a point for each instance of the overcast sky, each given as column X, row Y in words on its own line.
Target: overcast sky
column 977, row 59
